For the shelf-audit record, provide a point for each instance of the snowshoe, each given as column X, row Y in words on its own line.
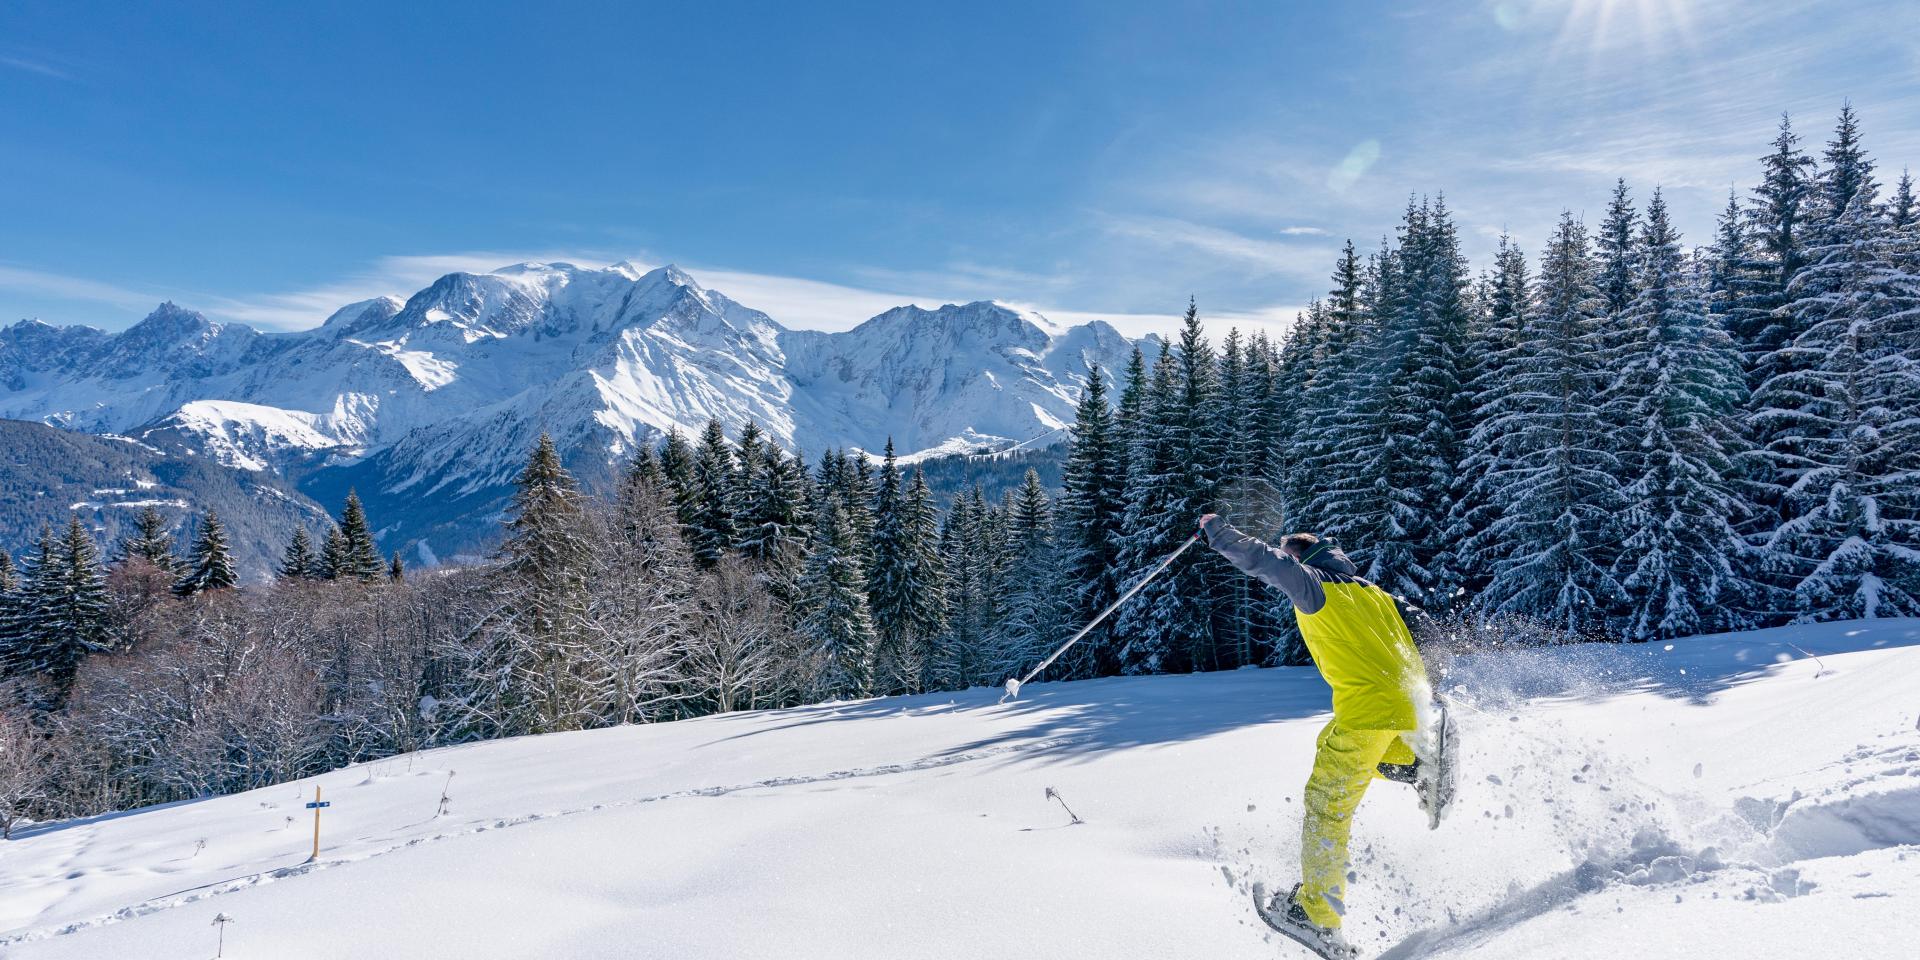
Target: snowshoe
column 1436, row 780
column 1287, row 917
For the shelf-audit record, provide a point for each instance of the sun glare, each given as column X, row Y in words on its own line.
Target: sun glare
column 1602, row 25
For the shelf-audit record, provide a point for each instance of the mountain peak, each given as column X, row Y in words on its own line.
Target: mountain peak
column 672, row 273
column 169, row 320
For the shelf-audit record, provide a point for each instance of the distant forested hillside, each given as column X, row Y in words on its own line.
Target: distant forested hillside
column 48, row 475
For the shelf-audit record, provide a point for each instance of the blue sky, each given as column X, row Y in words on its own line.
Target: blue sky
column 825, row 161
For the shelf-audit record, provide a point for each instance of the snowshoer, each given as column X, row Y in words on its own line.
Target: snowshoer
column 1362, row 647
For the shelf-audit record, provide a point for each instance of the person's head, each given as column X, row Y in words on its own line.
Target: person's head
column 1299, row 545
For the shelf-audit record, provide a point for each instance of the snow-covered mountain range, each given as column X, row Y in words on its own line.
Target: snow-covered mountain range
column 429, row 405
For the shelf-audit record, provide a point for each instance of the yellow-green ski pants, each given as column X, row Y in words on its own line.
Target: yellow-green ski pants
column 1344, row 763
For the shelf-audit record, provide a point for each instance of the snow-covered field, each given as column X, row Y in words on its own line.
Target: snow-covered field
column 1731, row 796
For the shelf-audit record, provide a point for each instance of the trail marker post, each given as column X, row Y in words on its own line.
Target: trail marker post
column 316, row 806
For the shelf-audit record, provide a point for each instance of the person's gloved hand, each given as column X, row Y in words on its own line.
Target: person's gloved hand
column 1209, row 518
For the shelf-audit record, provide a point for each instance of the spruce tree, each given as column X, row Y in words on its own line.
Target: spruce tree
column 711, row 532
column 28, row 607
column 774, row 530
column 1837, row 419
column 1556, row 485
column 209, row 564
column 906, row 587
column 644, row 468
column 1238, row 624
column 1497, row 346
column 396, row 569
column 1169, row 620
column 836, row 621
column 1901, row 209
column 1734, row 284
column 149, row 541
column 1347, row 499
column 1616, row 254
column 1676, row 395
column 750, row 457
column 856, row 497
column 359, row 557
column 926, row 613
column 890, row 582
column 972, row 541
column 1776, row 225
column 1092, row 510
column 333, row 554
column 1422, row 414
column 957, row 651
column 676, row 465
column 542, row 586
column 1267, row 404
column 60, row 613
column 299, row 562
column 1033, row 609
column 1846, row 175
column 1130, row 415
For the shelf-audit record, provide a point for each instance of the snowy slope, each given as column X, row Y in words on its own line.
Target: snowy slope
column 1730, row 796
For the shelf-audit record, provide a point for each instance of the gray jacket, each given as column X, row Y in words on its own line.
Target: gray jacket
column 1301, row 582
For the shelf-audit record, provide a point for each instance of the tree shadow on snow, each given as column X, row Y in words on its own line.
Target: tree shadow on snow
column 1081, row 718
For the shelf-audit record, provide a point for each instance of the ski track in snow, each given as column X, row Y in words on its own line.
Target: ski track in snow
column 216, row 888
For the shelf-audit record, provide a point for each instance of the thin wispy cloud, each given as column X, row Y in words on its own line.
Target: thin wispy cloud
column 34, row 66
column 49, row 285
column 1272, row 257
column 805, row 304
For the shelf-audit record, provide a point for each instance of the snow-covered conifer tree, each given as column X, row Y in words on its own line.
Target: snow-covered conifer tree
column 1169, row 626
column 149, row 541
column 712, row 532
column 1092, row 509
column 1675, row 398
column 833, row 595
column 892, row 582
column 676, row 465
column 529, row 678
column 773, row 531
column 1902, row 210
column 1556, row 488
column 299, row 561
column 359, row 558
column 60, row 613
column 1034, row 610
column 1837, row 417
column 209, row 564
column 1495, row 338
column 1776, row 225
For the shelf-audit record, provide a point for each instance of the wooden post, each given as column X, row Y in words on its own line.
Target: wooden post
column 317, row 804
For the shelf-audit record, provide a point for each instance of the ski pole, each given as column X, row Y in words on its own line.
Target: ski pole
column 1013, row 686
